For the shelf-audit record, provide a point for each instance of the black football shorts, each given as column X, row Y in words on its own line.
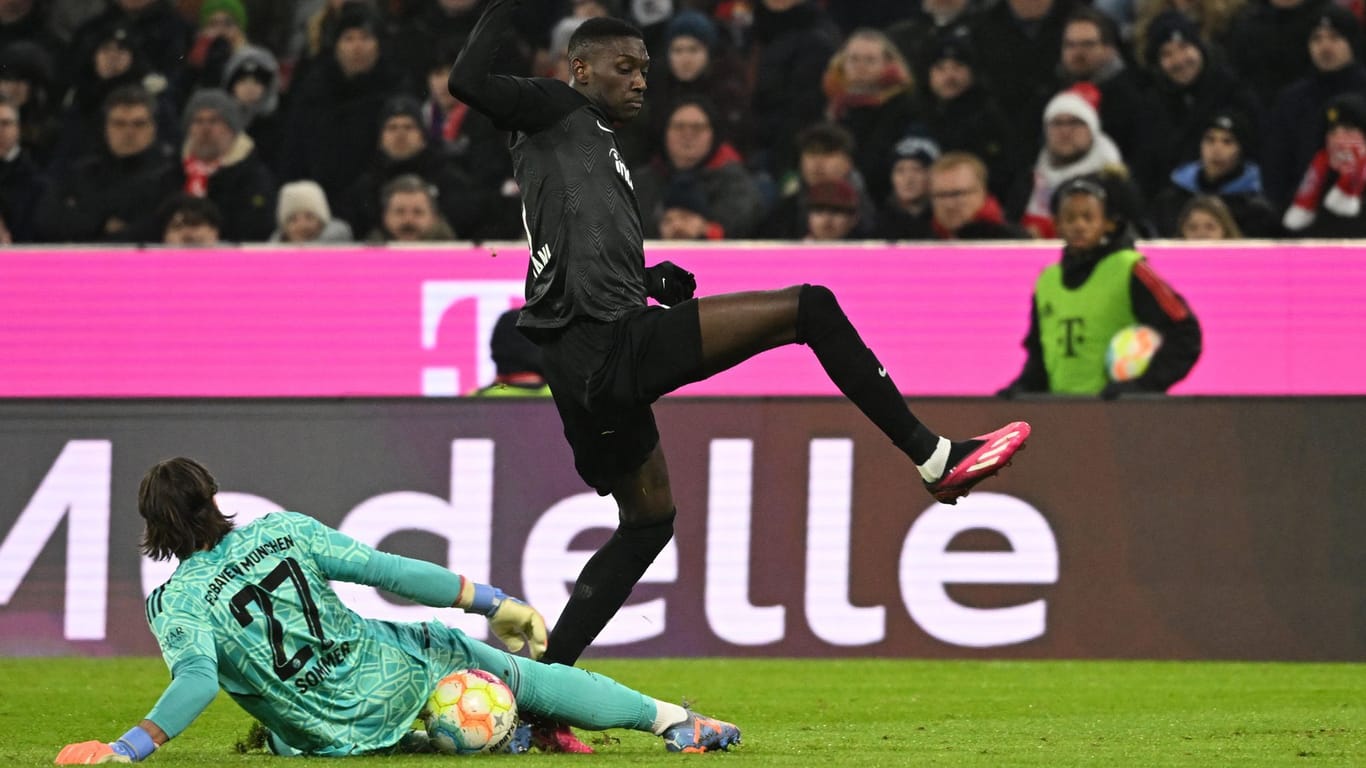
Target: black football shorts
column 605, row 375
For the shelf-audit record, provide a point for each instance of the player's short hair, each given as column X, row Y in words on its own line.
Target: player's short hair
column 598, row 29
column 175, row 500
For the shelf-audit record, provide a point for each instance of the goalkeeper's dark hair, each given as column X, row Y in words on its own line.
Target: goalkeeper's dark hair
column 598, row 29
column 176, row 502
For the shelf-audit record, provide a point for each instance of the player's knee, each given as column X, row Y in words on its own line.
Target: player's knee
column 818, row 312
column 648, row 538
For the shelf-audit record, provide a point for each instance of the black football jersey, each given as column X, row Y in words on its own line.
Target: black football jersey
column 578, row 202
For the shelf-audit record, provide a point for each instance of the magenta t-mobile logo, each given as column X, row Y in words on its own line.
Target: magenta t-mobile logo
column 491, row 298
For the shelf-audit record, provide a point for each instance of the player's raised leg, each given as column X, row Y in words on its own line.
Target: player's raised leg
column 735, row 327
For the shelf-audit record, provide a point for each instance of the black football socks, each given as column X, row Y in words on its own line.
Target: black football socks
column 603, row 587
column 852, row 366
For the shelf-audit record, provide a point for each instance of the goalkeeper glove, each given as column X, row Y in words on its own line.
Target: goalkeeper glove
column 513, row 621
column 669, row 284
column 89, row 753
column 134, row 746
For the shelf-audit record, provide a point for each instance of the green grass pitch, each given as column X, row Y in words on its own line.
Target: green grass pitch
column 869, row 712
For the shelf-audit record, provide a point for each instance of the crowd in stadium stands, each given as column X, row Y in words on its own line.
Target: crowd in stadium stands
column 202, row 121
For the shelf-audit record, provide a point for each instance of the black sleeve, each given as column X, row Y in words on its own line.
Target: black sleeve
column 1033, row 377
column 513, row 103
column 1157, row 305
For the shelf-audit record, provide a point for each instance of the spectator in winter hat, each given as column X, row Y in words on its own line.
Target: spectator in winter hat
column 1073, row 145
column 228, row 18
column 698, row 65
column 303, row 216
column 961, row 114
column 1175, row 27
column 115, row 59
column 1210, row 20
column 693, row 26
column 685, row 214
column 832, row 211
column 222, row 32
column 1187, row 87
column 220, row 161
column 1266, row 43
column 905, row 213
column 1328, row 201
column 359, row 38
column 252, row 77
column 918, row 36
column 1226, row 169
column 212, row 105
column 1295, row 126
column 164, row 37
column 403, row 149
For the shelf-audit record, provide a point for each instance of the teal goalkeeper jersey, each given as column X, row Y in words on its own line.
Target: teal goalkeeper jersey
column 320, row 676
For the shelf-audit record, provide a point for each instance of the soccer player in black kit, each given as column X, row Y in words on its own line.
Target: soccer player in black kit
column 607, row 355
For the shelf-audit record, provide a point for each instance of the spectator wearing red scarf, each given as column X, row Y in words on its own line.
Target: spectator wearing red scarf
column 868, row 91
column 963, row 208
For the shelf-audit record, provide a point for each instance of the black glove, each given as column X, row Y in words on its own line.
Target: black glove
column 669, row 284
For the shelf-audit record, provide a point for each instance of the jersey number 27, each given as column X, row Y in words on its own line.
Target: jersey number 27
column 259, row 593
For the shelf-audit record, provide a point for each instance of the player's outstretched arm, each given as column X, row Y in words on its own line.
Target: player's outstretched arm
column 512, row 103
column 341, row 557
column 513, row 621
column 137, row 744
column 194, row 684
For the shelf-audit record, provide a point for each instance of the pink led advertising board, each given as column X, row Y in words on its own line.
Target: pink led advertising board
column 1278, row 319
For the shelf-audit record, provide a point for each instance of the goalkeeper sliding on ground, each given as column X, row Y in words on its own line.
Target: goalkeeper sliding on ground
column 250, row 610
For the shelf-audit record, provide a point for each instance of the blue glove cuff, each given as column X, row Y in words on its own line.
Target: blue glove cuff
column 486, row 599
column 136, row 745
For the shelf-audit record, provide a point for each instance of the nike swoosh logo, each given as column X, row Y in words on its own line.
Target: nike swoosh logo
column 882, row 372
column 603, row 127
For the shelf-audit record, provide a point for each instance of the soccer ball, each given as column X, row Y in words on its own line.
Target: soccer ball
column 470, row 711
column 1130, row 351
